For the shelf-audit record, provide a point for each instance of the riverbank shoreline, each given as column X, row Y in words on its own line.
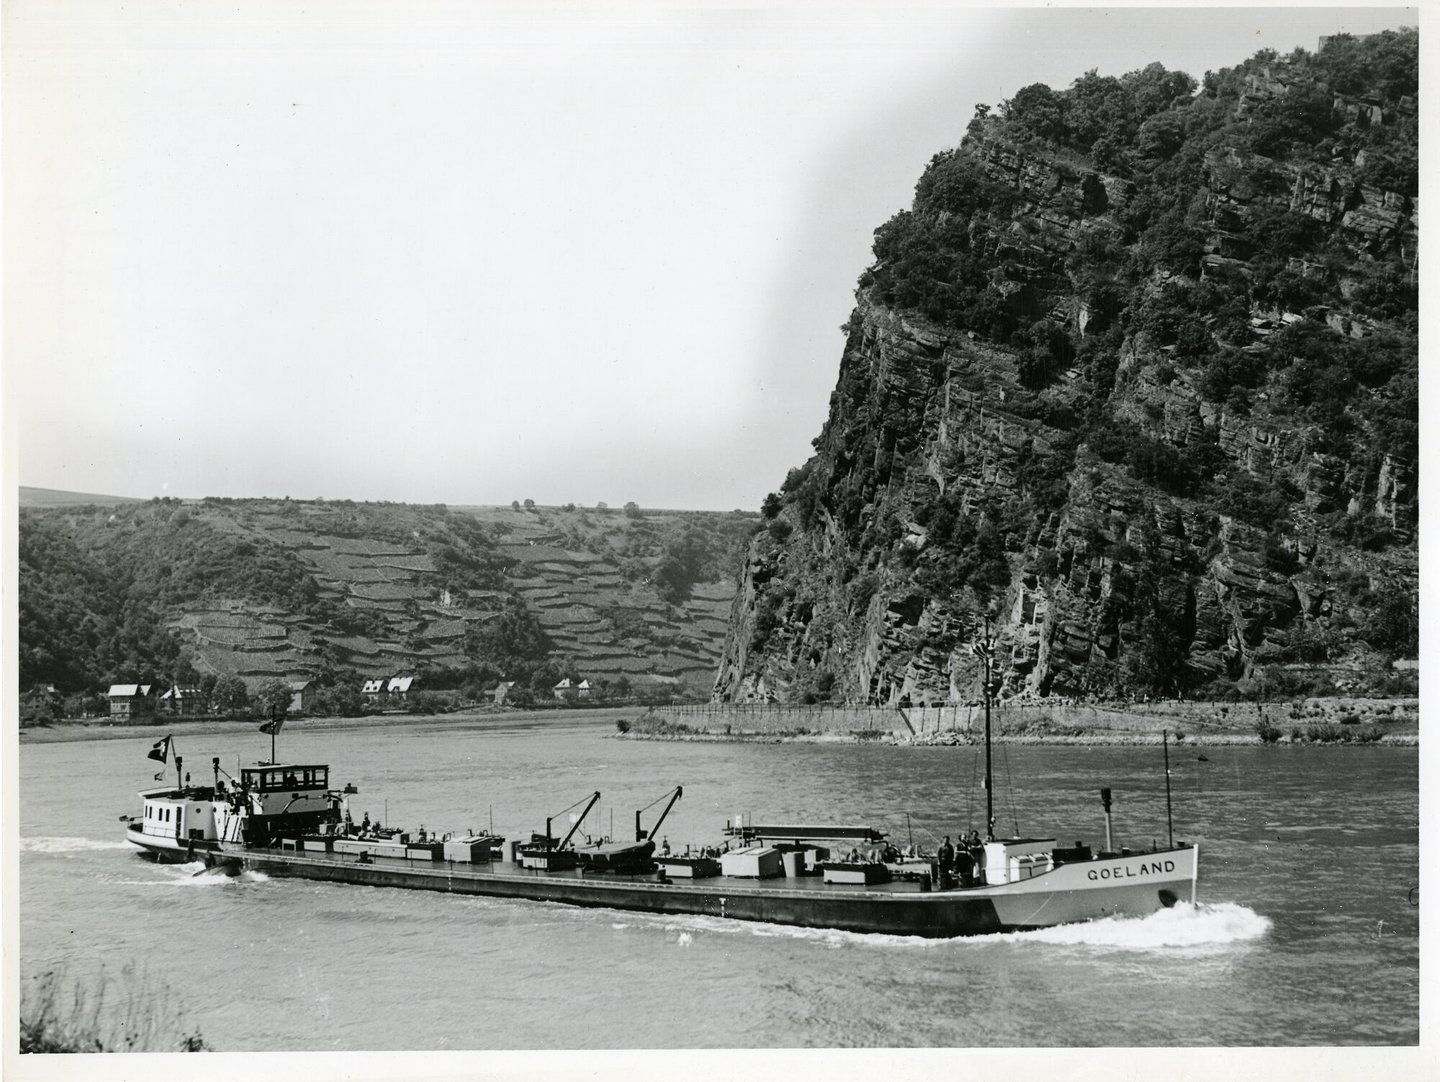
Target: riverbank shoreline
column 1341, row 720
column 1097, row 740
column 66, row 732
column 646, row 723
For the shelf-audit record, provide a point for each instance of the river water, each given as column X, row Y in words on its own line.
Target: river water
column 1306, row 932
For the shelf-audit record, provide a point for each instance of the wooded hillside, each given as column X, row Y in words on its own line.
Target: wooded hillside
column 169, row 591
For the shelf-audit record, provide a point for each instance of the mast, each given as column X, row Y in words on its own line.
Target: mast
column 989, row 775
column 1169, row 821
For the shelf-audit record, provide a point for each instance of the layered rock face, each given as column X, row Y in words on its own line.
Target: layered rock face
column 1152, row 417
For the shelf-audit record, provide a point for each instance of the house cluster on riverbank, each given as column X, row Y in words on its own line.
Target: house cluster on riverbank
column 127, row 701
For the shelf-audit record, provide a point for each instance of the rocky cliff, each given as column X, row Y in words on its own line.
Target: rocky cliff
column 1134, row 378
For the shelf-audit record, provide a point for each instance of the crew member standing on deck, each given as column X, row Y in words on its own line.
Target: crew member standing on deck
column 977, row 854
column 946, row 860
column 964, row 864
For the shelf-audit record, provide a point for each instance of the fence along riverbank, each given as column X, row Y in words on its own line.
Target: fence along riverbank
column 1019, row 719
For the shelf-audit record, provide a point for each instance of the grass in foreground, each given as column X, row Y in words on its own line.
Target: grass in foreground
column 128, row 1014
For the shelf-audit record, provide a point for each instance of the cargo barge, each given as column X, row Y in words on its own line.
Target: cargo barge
column 286, row 821
column 1014, row 890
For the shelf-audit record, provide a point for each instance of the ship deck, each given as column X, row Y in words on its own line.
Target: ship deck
column 511, row 872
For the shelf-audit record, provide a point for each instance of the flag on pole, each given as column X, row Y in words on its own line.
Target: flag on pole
column 161, row 751
column 272, row 726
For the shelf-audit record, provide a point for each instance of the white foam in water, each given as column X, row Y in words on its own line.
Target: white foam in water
column 1184, row 925
column 193, row 874
column 196, row 874
column 1205, row 925
column 68, row 845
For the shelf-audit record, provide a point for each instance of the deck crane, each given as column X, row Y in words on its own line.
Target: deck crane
column 594, row 799
column 542, row 853
column 629, row 858
column 674, row 795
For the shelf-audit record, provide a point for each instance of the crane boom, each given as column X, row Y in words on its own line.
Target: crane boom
column 674, row 795
column 594, row 799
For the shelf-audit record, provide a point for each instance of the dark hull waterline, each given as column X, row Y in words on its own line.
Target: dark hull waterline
column 1133, row 885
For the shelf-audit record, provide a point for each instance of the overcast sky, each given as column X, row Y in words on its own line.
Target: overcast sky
column 475, row 253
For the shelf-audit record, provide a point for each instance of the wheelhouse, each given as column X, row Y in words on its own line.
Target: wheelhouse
column 285, row 779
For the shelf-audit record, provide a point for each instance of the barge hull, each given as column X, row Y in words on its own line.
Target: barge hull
column 1132, row 886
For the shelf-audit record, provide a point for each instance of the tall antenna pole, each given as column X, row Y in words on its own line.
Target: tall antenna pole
column 1169, row 822
column 989, row 775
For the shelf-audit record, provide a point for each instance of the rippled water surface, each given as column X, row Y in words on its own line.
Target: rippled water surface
column 1305, row 933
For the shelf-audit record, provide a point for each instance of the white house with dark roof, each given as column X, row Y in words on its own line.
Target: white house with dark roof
column 127, row 700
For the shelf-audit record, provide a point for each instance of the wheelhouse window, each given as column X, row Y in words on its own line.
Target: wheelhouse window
column 285, row 779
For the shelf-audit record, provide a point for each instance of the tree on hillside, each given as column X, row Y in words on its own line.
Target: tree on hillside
column 543, row 680
column 682, row 566
column 273, row 698
column 231, row 695
column 514, row 639
column 632, row 510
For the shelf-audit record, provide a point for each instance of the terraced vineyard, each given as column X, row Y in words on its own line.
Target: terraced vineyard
column 268, row 589
column 588, row 578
